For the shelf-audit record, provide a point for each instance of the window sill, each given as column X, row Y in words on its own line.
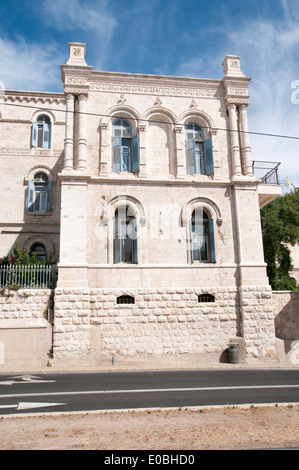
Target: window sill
column 43, row 214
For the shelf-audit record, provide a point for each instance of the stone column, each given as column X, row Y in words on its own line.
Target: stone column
column 246, row 149
column 180, row 151
column 234, row 137
column 142, row 150
column 105, row 153
column 82, row 141
column 69, row 133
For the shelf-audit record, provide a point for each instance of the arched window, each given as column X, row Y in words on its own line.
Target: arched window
column 39, row 195
column 39, row 251
column 41, row 132
column 199, row 152
column 125, row 236
column 202, row 239
column 125, row 148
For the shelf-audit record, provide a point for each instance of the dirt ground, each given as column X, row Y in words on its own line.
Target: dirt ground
column 228, row 428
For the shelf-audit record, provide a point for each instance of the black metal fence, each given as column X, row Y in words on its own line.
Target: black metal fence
column 266, row 172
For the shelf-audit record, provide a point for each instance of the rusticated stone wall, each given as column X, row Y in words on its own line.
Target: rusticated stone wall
column 26, row 317
column 286, row 313
column 162, row 322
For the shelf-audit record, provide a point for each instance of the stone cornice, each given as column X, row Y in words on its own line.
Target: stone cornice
column 156, row 85
column 33, row 97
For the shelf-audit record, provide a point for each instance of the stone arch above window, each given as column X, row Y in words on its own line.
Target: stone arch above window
column 40, row 241
column 200, row 118
column 40, row 169
column 123, row 112
column 206, row 204
column 41, row 131
column 131, row 202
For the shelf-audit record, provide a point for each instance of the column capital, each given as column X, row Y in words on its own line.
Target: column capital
column 82, row 97
column 69, row 97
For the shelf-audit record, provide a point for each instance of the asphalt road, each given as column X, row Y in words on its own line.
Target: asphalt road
column 89, row 391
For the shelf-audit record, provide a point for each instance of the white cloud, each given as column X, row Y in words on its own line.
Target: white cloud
column 269, row 55
column 78, row 15
column 31, row 67
column 90, row 18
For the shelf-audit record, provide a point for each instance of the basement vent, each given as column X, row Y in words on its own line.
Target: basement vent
column 206, row 298
column 125, row 299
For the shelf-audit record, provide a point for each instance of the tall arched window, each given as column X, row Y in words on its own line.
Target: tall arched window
column 199, row 152
column 202, row 239
column 41, row 132
column 39, row 194
column 125, row 236
column 125, row 148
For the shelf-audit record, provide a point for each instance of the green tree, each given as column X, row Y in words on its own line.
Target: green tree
column 280, row 226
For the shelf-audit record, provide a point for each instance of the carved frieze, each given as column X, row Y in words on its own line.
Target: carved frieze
column 157, row 90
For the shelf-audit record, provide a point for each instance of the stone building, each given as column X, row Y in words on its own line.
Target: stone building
column 144, row 187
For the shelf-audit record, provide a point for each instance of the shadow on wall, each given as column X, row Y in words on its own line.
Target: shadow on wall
column 287, row 320
column 40, row 229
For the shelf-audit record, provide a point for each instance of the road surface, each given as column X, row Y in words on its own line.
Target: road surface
column 90, row 391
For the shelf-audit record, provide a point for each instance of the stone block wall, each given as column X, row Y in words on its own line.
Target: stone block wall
column 258, row 321
column 286, row 314
column 25, row 305
column 26, row 317
column 161, row 322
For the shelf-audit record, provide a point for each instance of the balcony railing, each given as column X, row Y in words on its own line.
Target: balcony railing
column 266, row 172
column 28, row 276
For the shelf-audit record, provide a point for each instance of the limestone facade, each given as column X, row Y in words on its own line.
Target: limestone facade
column 149, row 194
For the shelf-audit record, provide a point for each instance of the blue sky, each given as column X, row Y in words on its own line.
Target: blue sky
column 168, row 37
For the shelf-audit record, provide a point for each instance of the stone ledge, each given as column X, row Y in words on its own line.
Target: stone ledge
column 23, row 323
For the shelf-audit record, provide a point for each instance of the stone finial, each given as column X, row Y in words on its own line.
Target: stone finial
column 231, row 65
column 77, row 53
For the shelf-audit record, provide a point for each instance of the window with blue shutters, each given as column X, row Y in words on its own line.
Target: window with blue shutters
column 125, row 148
column 125, row 243
column 199, row 152
column 202, row 237
column 39, row 193
column 41, row 132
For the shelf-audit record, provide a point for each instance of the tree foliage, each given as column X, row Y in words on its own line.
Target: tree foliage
column 280, row 226
column 19, row 257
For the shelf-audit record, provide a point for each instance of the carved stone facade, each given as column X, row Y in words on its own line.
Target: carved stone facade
column 153, row 204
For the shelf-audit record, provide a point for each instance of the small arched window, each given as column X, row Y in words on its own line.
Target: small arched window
column 39, row 193
column 204, row 298
column 39, row 251
column 41, row 132
column 125, row 299
column 125, row 148
column 199, row 152
column 202, row 238
column 125, row 236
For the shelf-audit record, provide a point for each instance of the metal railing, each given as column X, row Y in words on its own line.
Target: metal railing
column 266, row 172
column 28, row 276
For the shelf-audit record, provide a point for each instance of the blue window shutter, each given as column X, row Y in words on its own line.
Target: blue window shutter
column 116, row 150
column 135, row 152
column 191, row 242
column 209, row 156
column 31, row 196
column 34, row 135
column 135, row 243
column 125, row 159
column 46, row 136
column 212, row 241
column 117, row 240
column 190, row 157
column 49, row 196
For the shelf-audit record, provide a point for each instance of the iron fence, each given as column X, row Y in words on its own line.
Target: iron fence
column 28, row 276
